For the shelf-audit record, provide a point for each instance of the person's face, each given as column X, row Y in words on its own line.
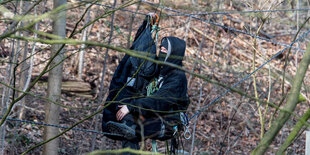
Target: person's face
column 163, row 53
column 163, row 49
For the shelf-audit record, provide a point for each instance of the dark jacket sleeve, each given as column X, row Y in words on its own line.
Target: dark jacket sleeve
column 123, row 69
column 168, row 98
column 119, row 79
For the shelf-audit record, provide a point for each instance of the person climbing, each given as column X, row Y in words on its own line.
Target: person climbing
column 160, row 111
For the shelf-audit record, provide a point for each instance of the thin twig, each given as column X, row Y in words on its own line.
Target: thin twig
column 131, row 24
column 30, row 68
column 54, row 56
column 200, row 98
column 100, row 99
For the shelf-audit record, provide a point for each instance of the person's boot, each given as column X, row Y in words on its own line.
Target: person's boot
column 108, row 116
column 126, row 127
column 133, row 144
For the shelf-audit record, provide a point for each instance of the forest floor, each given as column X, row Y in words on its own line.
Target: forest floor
column 229, row 126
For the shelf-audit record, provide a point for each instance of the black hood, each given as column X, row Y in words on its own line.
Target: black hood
column 176, row 50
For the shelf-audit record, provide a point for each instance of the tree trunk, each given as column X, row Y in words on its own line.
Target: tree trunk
column 27, row 81
column 54, row 83
column 24, row 66
column 84, row 38
column 290, row 106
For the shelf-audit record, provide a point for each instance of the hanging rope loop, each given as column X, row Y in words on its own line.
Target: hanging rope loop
column 187, row 133
column 153, row 20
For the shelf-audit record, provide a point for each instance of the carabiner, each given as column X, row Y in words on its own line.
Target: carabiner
column 175, row 128
column 187, row 134
column 156, row 19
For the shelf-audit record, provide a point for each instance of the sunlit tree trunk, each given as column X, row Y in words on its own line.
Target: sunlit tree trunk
column 54, row 83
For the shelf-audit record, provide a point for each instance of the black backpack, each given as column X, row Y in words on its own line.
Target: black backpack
column 145, row 44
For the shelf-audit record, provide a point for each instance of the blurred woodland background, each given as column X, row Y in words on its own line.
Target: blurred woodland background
column 226, row 41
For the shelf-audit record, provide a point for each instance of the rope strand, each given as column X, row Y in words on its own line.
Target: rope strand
column 217, row 24
column 246, row 77
column 60, row 126
column 227, row 27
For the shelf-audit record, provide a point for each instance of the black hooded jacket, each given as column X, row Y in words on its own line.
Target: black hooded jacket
column 129, row 65
column 172, row 93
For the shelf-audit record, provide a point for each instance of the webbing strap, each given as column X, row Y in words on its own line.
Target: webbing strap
column 154, row 146
column 155, row 31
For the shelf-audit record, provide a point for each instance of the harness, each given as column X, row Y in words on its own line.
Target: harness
column 152, row 88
